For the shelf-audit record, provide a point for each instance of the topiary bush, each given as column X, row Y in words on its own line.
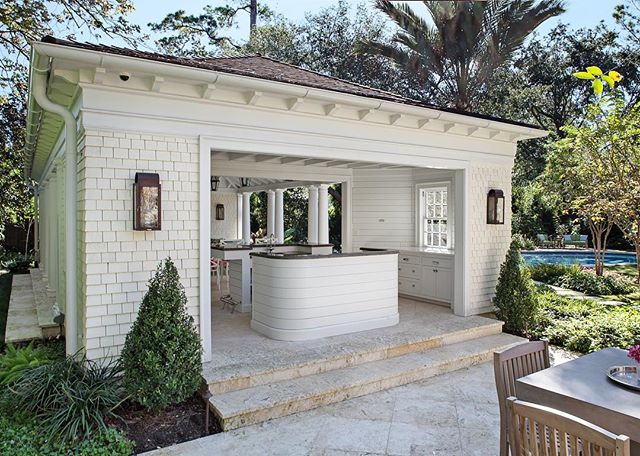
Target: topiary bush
column 162, row 352
column 515, row 301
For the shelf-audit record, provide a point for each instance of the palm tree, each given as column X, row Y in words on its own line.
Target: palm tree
column 454, row 56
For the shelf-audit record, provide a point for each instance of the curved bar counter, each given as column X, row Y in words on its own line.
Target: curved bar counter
column 303, row 297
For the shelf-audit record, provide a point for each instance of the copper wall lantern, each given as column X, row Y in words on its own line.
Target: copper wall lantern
column 495, row 207
column 146, row 202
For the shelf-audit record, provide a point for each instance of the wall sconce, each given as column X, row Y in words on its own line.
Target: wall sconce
column 146, row 202
column 495, row 207
column 219, row 211
column 245, row 181
column 214, row 183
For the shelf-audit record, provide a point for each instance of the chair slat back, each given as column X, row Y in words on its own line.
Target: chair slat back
column 536, row 430
column 515, row 362
column 509, row 365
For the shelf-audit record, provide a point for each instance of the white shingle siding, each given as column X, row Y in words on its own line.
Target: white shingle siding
column 489, row 243
column 116, row 262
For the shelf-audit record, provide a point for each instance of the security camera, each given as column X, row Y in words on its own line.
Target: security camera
column 124, row 77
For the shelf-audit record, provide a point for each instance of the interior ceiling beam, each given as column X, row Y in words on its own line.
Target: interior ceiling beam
column 289, row 160
column 339, row 163
column 237, row 156
column 264, row 158
column 315, row 161
column 278, row 185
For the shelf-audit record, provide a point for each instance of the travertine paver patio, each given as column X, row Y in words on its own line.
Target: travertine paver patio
column 455, row 414
column 448, row 415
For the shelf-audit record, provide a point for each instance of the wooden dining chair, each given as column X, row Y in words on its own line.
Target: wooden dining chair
column 536, row 430
column 508, row 366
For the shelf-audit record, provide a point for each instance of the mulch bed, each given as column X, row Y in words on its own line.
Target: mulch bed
column 178, row 423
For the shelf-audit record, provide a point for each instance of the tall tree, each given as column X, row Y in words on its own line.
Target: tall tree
column 22, row 21
column 455, row 55
column 325, row 42
column 206, row 34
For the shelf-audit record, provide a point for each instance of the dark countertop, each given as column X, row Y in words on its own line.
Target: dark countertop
column 252, row 246
column 237, row 247
column 306, row 256
column 413, row 249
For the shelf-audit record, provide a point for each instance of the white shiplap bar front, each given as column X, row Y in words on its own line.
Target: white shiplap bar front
column 303, row 298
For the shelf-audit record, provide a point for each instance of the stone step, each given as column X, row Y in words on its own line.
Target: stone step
column 44, row 305
column 22, row 320
column 265, row 402
column 234, row 377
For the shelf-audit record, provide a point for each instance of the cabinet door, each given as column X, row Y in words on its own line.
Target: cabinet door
column 429, row 282
column 444, row 284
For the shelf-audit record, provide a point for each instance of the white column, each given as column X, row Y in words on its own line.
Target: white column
column 312, row 216
column 239, row 216
column 323, row 214
column 271, row 213
column 279, row 216
column 42, row 213
column 52, row 237
column 246, row 218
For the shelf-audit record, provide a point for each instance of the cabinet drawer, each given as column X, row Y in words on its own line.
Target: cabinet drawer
column 438, row 262
column 410, row 271
column 403, row 258
column 408, row 286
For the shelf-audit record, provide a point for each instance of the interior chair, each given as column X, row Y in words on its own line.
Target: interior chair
column 508, row 366
column 536, row 430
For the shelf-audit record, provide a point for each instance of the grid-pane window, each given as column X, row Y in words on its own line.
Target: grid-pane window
column 434, row 211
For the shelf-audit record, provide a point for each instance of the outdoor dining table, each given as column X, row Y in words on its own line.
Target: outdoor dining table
column 581, row 387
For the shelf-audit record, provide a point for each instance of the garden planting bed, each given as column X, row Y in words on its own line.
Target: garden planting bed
column 178, row 423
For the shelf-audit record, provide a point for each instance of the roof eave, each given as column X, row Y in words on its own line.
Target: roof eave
column 94, row 58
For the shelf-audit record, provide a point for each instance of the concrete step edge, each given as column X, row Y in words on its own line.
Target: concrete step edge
column 341, row 389
column 352, row 359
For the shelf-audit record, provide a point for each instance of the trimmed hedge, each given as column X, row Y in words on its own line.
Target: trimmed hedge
column 584, row 281
column 584, row 325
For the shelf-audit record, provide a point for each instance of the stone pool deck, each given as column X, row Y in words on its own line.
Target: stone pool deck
column 454, row 414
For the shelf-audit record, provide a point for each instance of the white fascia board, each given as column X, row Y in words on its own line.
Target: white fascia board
column 86, row 57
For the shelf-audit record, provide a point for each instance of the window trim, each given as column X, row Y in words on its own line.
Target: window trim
column 447, row 185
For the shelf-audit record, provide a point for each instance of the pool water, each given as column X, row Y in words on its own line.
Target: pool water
column 582, row 257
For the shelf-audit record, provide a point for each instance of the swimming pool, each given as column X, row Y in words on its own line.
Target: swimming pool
column 581, row 257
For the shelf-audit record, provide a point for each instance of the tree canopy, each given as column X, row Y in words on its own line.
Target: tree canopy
column 454, row 55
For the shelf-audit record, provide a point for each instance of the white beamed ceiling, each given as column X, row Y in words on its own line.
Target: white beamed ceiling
column 258, row 159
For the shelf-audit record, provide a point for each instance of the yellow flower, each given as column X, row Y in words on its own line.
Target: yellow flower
column 617, row 77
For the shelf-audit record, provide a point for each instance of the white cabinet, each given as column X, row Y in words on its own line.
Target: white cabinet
column 427, row 276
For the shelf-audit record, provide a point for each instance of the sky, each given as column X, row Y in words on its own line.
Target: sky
column 580, row 13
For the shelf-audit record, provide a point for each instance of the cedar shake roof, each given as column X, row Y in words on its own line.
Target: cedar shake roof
column 257, row 66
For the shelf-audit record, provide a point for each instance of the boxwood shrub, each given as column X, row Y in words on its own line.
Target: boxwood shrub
column 584, row 325
column 585, row 281
column 162, row 354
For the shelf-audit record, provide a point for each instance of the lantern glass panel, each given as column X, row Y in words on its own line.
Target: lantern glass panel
column 149, row 208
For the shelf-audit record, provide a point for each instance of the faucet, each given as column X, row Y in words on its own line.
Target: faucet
column 271, row 240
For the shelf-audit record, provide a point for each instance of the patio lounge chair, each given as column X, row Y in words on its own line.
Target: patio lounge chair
column 508, row 366
column 576, row 240
column 544, row 241
column 535, row 429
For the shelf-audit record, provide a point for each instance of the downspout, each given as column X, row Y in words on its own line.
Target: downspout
column 71, row 144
